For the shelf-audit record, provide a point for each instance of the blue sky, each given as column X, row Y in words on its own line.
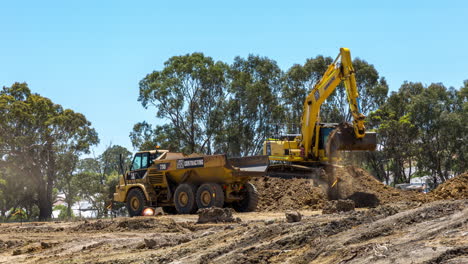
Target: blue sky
column 90, row 55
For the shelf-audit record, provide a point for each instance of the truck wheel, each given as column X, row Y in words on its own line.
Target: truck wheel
column 249, row 201
column 184, row 199
column 210, row 195
column 136, row 202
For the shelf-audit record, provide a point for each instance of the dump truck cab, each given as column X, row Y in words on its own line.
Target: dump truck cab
column 142, row 161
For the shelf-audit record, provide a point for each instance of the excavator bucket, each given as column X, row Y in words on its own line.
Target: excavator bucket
column 343, row 139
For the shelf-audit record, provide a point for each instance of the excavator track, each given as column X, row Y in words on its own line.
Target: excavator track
column 291, row 171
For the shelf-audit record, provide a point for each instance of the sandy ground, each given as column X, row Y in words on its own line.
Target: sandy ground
column 404, row 232
column 393, row 227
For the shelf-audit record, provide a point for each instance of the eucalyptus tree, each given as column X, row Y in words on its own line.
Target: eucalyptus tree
column 252, row 110
column 189, row 94
column 35, row 135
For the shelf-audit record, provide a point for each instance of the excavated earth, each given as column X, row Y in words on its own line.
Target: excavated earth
column 395, row 227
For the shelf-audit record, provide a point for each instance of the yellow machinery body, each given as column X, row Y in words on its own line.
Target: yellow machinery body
column 319, row 141
column 161, row 172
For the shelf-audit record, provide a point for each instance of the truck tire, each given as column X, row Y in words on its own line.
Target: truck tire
column 249, row 201
column 184, row 199
column 210, row 195
column 136, row 202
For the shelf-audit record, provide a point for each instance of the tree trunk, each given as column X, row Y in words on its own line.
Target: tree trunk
column 69, row 200
column 45, row 190
column 69, row 209
column 45, row 205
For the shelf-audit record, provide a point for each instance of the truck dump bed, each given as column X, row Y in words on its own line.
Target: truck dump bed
column 217, row 168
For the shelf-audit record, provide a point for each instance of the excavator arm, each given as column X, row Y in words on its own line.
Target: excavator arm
column 334, row 75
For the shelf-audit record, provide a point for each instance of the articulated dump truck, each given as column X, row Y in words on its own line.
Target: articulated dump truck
column 182, row 184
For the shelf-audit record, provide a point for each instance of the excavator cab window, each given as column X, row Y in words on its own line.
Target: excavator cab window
column 324, row 133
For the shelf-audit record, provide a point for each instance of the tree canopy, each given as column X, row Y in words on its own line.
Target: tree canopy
column 39, row 142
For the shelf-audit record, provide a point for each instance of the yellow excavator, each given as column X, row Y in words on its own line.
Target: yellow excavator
column 293, row 155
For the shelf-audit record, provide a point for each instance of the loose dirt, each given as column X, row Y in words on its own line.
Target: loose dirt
column 337, row 206
column 435, row 232
column 288, row 194
column 366, row 191
column 455, row 188
column 215, row 215
column 399, row 227
column 348, row 183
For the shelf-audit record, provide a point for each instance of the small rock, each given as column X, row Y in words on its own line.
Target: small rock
column 17, row 252
column 150, row 243
column 159, row 211
column 45, row 245
column 269, row 222
column 292, row 217
column 141, row 246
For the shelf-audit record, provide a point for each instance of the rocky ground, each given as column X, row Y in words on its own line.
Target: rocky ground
column 399, row 227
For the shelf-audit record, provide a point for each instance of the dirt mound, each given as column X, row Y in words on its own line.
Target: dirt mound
column 276, row 194
column 349, row 182
column 455, row 188
column 336, row 206
column 123, row 224
column 361, row 187
column 215, row 215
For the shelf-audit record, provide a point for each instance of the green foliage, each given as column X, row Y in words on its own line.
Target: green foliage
column 423, row 131
column 252, row 110
column 145, row 137
column 110, row 159
column 296, row 84
column 63, row 212
column 188, row 92
column 39, row 143
column 96, row 178
column 372, row 90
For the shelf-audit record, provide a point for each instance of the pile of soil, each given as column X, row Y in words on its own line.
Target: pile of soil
column 337, row 206
column 215, row 215
column 455, row 188
column 123, row 224
column 276, row 194
column 356, row 184
column 366, row 191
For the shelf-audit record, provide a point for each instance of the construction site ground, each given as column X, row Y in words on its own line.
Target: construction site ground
column 395, row 227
